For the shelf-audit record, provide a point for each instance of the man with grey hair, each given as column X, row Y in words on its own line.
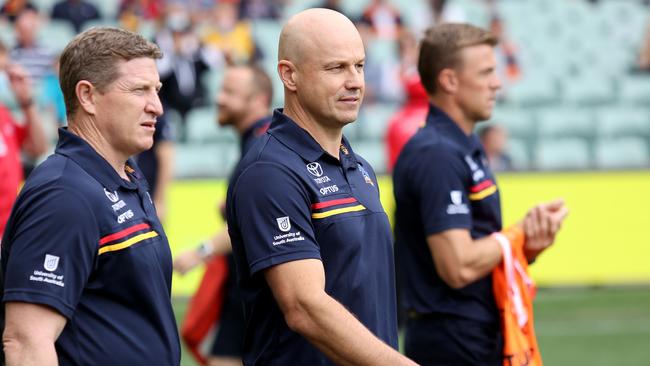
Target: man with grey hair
column 86, row 266
column 311, row 241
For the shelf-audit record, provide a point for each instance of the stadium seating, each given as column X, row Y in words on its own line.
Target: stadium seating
column 621, row 153
column 617, row 121
column 562, row 154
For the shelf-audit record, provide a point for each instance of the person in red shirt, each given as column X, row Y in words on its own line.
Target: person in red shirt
column 14, row 137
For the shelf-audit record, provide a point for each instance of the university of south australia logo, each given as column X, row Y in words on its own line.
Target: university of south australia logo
column 283, row 223
column 51, row 262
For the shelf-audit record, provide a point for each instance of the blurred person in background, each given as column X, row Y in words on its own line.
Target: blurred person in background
column 132, row 12
column 12, row 8
column 77, row 12
column 412, row 114
column 243, row 103
column 27, row 137
column 643, row 56
column 449, row 238
column 183, row 65
column 331, row 5
column 261, row 9
column 157, row 165
column 37, row 59
column 86, row 265
column 432, row 12
column 384, row 19
column 494, row 139
column 225, row 32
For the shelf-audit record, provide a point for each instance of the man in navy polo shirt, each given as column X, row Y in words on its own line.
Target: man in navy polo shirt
column 86, row 267
column 447, row 208
column 243, row 103
column 312, row 243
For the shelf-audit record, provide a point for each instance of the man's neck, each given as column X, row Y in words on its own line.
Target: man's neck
column 87, row 131
column 248, row 121
column 454, row 112
column 328, row 138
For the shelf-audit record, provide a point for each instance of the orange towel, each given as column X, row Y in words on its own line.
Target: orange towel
column 514, row 291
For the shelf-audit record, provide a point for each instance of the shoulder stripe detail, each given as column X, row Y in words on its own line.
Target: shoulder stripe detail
column 127, row 243
column 325, row 204
column 337, row 211
column 123, row 233
column 482, row 194
column 479, row 187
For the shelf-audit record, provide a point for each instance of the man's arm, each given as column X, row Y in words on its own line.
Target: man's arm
column 217, row 245
column 36, row 142
column 459, row 259
column 30, row 333
column 299, row 288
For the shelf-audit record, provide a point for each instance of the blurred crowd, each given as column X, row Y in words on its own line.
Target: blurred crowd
column 200, row 37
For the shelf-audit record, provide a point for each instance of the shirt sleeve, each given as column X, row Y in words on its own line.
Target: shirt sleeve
column 441, row 186
column 272, row 210
column 53, row 250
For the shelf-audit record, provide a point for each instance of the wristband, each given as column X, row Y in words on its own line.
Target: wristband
column 205, row 250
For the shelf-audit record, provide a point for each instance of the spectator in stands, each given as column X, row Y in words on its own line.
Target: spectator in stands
column 244, row 104
column 132, row 12
column 38, row 60
column 405, row 122
column 384, row 19
column 157, row 165
column 506, row 52
column 226, row 33
column 643, row 58
column 436, row 12
column 77, row 12
column 183, row 64
column 494, row 139
column 332, row 5
column 14, row 138
column 12, row 8
column 261, row 9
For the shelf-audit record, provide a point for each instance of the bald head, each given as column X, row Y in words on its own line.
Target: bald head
column 312, row 31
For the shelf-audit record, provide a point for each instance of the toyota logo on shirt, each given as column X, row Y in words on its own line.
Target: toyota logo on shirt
column 315, row 169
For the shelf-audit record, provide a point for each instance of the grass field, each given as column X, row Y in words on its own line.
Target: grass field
column 579, row 326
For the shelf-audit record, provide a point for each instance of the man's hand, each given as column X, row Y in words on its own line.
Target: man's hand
column 541, row 225
column 20, row 84
column 187, row 261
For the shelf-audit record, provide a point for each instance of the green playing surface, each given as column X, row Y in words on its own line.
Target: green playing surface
column 581, row 326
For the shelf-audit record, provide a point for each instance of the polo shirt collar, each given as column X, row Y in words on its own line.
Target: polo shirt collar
column 78, row 150
column 439, row 120
column 297, row 139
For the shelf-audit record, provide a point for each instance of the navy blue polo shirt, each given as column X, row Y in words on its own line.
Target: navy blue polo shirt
column 442, row 182
column 88, row 244
column 290, row 200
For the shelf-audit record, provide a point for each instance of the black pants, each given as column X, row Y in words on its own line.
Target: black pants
column 443, row 340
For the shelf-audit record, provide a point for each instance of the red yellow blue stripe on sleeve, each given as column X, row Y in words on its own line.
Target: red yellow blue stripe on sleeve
column 335, row 207
column 125, row 238
column 482, row 190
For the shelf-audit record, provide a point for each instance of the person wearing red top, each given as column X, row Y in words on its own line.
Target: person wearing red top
column 28, row 137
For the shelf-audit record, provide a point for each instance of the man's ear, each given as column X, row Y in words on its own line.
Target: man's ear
column 86, row 95
column 448, row 81
column 288, row 74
